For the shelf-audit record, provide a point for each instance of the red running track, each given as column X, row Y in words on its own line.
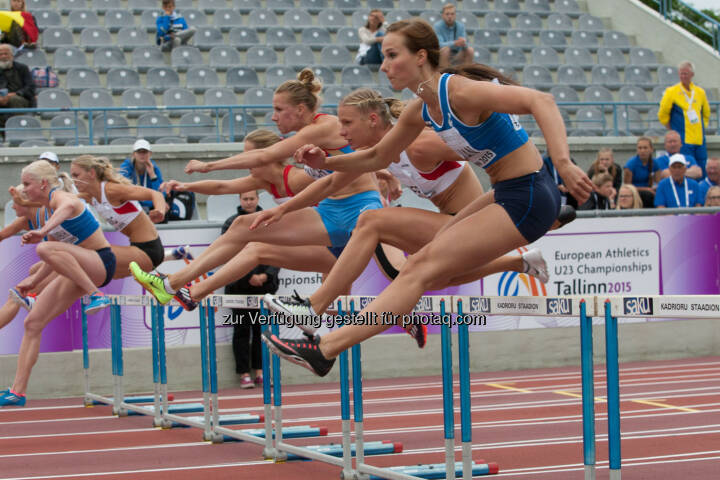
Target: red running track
column 529, row 422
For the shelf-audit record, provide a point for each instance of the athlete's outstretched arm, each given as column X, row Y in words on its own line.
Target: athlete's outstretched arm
column 214, row 187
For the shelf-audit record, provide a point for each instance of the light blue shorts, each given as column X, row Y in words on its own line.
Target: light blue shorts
column 340, row 215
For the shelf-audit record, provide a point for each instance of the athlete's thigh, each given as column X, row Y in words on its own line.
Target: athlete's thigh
column 89, row 260
column 408, row 229
column 300, row 227
column 126, row 254
column 59, row 295
column 304, row 258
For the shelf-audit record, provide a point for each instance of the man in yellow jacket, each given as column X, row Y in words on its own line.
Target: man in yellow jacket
column 684, row 108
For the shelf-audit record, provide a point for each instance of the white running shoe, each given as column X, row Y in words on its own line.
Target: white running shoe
column 297, row 307
column 25, row 302
column 183, row 252
column 534, row 264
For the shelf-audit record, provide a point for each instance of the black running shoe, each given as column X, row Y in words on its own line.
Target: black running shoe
column 567, row 214
column 305, row 353
column 183, row 296
column 419, row 332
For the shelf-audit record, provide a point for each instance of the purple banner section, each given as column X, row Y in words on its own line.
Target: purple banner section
column 671, row 255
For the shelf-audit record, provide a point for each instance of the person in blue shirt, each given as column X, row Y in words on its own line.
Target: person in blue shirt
column 640, row 171
column 712, row 168
column 677, row 190
column 673, row 144
column 172, row 29
column 142, row 170
column 453, row 39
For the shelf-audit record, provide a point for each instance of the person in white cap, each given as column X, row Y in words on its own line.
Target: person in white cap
column 52, row 159
column 677, row 190
column 673, row 144
column 142, row 170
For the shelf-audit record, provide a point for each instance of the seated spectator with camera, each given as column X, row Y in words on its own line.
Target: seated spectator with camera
column 172, row 29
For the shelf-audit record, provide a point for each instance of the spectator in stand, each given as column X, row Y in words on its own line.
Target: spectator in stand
column 17, row 89
column 677, row 190
column 603, row 198
column 713, row 197
column 673, row 145
column 142, row 170
column 172, row 29
column 454, row 48
column 640, row 171
column 23, row 32
column 628, row 197
column 684, row 108
column 605, row 162
column 246, row 332
column 371, row 37
column 713, row 178
column 52, row 159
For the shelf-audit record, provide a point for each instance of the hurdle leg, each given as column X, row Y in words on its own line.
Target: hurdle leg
column 157, row 412
column 86, row 358
column 448, row 404
column 212, row 364
column 269, row 450
column 588, row 392
column 207, row 435
column 115, row 361
column 166, row 422
column 280, row 456
column 613, row 392
column 347, row 471
column 358, row 411
column 120, row 392
column 465, row 407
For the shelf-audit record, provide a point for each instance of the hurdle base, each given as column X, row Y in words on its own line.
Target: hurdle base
column 298, row 431
column 174, row 408
column 435, row 470
column 589, row 472
column 134, row 399
column 614, row 474
column 380, row 447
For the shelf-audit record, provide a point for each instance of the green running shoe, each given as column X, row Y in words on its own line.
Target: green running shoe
column 152, row 283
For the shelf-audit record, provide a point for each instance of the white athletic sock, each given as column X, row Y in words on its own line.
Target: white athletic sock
column 168, row 288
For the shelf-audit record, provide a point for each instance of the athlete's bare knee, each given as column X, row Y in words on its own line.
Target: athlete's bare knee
column 33, row 326
column 45, row 250
column 368, row 222
column 256, row 251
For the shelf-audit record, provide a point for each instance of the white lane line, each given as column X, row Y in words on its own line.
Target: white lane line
column 106, row 450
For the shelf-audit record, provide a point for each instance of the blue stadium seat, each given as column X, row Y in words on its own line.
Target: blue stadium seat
column 607, row 76
column 178, row 97
column 185, row 57
column 116, row 19
column 129, row 38
column 579, row 56
column 66, row 58
column 33, row 5
column 297, row 19
column 315, row 37
column 393, row 16
column 520, row 38
column 79, row 19
column 584, row 39
column 511, row 56
column 47, row 18
column 590, row 23
column 194, row 17
column 333, row 94
column 356, row 76
column 572, row 76
column 545, row 56
column 279, row 37
column 590, row 119
column 611, row 56
column 145, row 58
column 482, row 55
column 617, row 39
column 598, row 93
column 95, row 98
column 158, row 79
column 563, row 93
column 280, row 6
column 152, row 126
column 261, row 57
column 431, row 16
column 196, row 125
column 667, row 75
column 80, row 78
column 139, row 6
column 67, row 6
column 220, row 96
column 63, row 129
column 22, row 128
column 32, row 57
column 199, row 79
column 212, row 6
column 560, row 23
column 261, row 18
column 235, row 126
column 137, row 98
column 258, row 96
column 476, row 6
column 413, row 6
column 298, row 56
column 206, row 38
column 643, row 56
column 470, row 20
column 630, row 122
column 246, row 6
column 55, row 37
column 335, row 57
column 497, row 21
column 529, row 22
column 347, row 6
column 313, row 6
column 226, row 18
column 537, row 76
column 332, row 19
column 276, row 75
column 633, row 93
column 569, row 7
column 359, row 18
column 243, row 37
column 489, row 39
column 325, row 74
column 92, row 38
column 106, row 58
column 241, row 78
column 122, row 78
column 553, row 39
column 148, row 20
column 540, row 7
column 223, row 57
column 511, row 7
column 348, row 37
column 638, row 75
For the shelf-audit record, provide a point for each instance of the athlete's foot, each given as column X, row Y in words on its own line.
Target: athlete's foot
column 305, row 353
column 153, row 283
column 534, row 264
column 8, row 398
column 98, row 301
column 419, row 332
column 183, row 252
column 567, row 214
column 26, row 302
column 185, row 299
column 297, row 306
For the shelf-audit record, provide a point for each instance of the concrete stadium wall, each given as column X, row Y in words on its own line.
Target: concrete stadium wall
column 390, row 356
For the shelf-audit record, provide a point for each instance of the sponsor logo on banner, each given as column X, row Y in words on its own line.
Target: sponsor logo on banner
column 559, row 306
column 364, row 301
column 638, row 306
column 252, row 302
column 480, row 304
column 424, row 305
column 514, row 284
